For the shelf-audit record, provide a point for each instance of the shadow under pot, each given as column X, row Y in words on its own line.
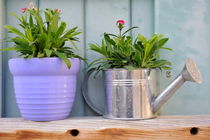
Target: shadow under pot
column 44, row 87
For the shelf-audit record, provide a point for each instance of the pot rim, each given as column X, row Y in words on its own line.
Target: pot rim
column 124, row 69
column 39, row 58
column 43, row 66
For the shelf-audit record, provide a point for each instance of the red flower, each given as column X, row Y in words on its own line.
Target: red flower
column 23, row 10
column 30, row 6
column 122, row 22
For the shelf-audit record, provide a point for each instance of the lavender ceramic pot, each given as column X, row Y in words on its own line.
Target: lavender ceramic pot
column 44, row 87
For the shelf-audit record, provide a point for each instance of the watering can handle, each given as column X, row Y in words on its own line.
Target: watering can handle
column 86, row 96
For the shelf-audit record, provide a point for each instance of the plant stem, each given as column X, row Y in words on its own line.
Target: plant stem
column 120, row 33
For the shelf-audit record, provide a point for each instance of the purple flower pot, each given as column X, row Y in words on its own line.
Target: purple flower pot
column 44, row 87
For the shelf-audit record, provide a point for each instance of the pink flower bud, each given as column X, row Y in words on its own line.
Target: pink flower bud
column 23, row 10
column 122, row 22
column 57, row 10
column 35, row 9
column 31, row 5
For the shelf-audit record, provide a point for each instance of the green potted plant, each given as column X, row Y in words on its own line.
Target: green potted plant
column 122, row 51
column 45, row 75
column 129, row 65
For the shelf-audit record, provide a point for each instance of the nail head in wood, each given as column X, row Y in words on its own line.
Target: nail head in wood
column 194, row 130
column 74, row 132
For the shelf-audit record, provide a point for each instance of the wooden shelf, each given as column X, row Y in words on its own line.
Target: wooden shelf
column 97, row 128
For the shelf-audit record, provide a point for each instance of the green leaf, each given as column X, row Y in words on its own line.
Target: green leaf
column 69, row 32
column 112, row 35
column 39, row 21
column 74, row 44
column 142, row 38
column 167, row 48
column 97, row 49
column 34, row 49
column 162, row 42
column 64, row 58
column 108, row 39
column 15, row 31
column 74, row 34
column 47, row 16
column 148, row 48
column 61, row 29
column 29, row 35
column 123, row 52
column 130, row 67
column 129, row 30
column 53, row 24
column 13, row 14
column 40, row 55
column 97, row 61
column 9, row 49
column 138, row 58
column 20, row 41
column 153, row 39
column 42, row 41
column 31, row 22
column 48, row 52
column 43, row 36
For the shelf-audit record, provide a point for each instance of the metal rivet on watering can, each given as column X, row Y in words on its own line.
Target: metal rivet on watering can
column 168, row 74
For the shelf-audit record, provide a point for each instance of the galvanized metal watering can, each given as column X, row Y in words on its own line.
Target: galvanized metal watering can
column 128, row 94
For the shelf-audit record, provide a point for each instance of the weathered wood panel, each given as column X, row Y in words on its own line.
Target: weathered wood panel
column 161, row 128
column 72, row 14
column 101, row 16
column 10, row 107
column 143, row 16
column 2, row 33
column 186, row 23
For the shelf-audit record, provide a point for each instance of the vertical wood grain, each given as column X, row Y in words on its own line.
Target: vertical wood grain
column 187, row 24
column 156, row 15
column 72, row 13
column 101, row 17
column 143, row 16
column 2, row 20
column 10, row 107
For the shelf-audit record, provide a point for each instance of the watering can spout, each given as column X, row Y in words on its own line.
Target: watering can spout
column 189, row 73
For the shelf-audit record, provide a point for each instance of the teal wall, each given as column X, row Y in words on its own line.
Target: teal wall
column 185, row 22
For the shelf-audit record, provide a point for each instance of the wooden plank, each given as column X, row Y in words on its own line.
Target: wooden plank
column 2, row 21
column 101, row 16
column 72, row 14
column 87, row 128
column 10, row 106
column 187, row 24
column 143, row 16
